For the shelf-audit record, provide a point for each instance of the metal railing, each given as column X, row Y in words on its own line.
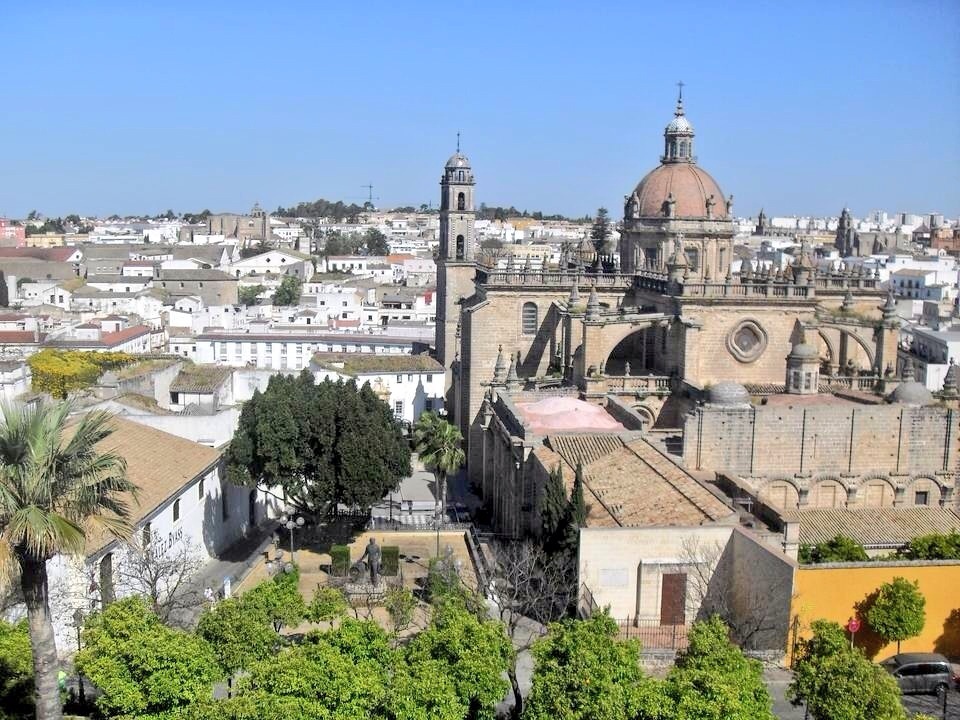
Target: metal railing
column 652, row 634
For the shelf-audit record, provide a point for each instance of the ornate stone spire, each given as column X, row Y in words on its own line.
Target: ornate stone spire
column 889, row 308
column 847, row 304
column 513, row 381
column 574, row 293
column 678, row 135
column 500, row 368
column 593, row 304
column 907, row 374
column 951, row 381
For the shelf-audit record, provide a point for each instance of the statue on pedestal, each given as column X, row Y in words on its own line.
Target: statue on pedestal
column 372, row 554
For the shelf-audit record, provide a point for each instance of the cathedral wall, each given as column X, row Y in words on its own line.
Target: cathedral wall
column 836, row 439
column 708, row 357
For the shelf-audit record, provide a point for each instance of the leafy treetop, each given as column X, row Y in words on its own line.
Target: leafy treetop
column 323, row 444
column 142, row 667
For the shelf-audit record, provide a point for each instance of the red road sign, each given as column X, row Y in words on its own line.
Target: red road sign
column 853, row 624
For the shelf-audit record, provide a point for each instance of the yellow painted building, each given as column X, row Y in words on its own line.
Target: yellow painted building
column 832, row 591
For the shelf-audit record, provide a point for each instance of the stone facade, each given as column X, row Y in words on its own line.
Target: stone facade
column 829, row 453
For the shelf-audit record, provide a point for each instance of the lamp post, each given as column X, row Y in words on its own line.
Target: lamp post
column 78, row 623
column 291, row 524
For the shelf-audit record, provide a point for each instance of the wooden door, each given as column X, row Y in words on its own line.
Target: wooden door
column 673, row 596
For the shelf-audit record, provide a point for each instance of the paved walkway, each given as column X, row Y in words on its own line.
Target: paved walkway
column 235, row 562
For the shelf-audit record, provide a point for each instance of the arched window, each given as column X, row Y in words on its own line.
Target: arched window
column 460, row 247
column 529, row 319
column 176, row 509
column 461, row 201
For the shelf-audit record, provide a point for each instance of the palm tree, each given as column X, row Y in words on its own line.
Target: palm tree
column 54, row 485
column 440, row 445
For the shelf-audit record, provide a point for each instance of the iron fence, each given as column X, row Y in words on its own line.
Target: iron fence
column 652, row 634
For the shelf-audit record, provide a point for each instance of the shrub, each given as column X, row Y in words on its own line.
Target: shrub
column 59, row 372
column 339, row 560
column 838, row 549
column 390, row 560
column 933, row 547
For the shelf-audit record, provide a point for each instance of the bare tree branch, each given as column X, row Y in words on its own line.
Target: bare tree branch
column 167, row 577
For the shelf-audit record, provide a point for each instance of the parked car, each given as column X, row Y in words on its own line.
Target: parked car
column 928, row 673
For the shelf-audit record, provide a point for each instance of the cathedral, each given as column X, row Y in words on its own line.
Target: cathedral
column 660, row 362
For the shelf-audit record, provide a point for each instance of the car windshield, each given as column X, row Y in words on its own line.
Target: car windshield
column 890, row 664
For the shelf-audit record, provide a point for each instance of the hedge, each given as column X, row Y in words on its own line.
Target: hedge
column 340, row 560
column 390, row 563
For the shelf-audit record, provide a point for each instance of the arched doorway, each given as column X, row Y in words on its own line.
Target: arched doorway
column 635, row 354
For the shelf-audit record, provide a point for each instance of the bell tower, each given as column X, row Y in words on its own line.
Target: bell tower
column 455, row 265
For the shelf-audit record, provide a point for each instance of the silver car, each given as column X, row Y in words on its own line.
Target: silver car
column 929, row 673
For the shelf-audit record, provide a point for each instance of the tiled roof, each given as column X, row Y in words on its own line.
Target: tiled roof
column 195, row 275
column 874, row 526
column 107, row 339
column 158, row 463
column 200, row 378
column 19, row 336
column 633, row 484
column 368, row 363
column 55, row 254
column 584, row 448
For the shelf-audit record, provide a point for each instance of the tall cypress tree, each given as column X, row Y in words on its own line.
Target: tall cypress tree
column 553, row 508
column 576, row 515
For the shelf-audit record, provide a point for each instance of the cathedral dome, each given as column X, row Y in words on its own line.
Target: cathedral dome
column 690, row 186
column 728, row 393
column 911, row 392
column 679, row 124
column 458, row 160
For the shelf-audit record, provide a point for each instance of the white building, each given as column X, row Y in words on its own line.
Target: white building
column 181, row 501
column 932, row 352
column 290, row 350
column 274, row 263
column 409, row 384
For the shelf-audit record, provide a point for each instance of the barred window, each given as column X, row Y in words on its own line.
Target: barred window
column 529, row 320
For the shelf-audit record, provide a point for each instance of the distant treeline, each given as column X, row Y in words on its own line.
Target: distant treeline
column 321, row 208
column 340, row 211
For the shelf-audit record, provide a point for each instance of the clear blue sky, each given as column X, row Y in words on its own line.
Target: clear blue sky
column 799, row 107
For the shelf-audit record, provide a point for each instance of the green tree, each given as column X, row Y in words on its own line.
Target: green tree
column 350, row 673
column 328, row 604
column 16, row 672
column 712, row 680
column 323, row 444
column 248, row 294
column 553, row 507
column 289, row 291
column 142, row 667
column 440, row 445
column 376, row 242
column 401, row 606
column 898, row 613
column 836, row 682
column 583, row 672
column 933, row 547
column 54, row 486
column 278, row 599
column 474, row 653
column 238, row 635
column 575, row 516
column 838, row 549
column 600, row 232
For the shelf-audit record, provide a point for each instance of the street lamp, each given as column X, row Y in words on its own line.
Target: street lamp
column 291, row 524
column 78, row 623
